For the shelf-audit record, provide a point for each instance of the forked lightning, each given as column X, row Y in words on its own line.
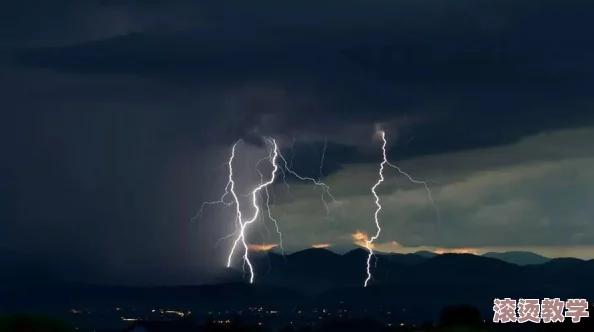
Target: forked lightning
column 241, row 224
column 274, row 155
column 369, row 242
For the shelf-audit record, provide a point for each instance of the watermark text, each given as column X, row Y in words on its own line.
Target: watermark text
column 547, row 310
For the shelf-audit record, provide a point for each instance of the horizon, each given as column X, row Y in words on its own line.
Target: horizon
column 587, row 255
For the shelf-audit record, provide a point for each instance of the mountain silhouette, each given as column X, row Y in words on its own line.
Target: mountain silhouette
column 426, row 254
column 320, row 277
column 518, row 257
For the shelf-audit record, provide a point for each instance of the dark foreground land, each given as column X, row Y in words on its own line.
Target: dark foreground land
column 315, row 285
column 463, row 318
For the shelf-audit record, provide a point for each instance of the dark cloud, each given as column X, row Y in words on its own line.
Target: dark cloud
column 513, row 70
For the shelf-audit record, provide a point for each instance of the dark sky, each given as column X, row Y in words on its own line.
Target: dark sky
column 116, row 117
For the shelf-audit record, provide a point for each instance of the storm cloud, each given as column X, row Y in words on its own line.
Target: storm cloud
column 117, row 117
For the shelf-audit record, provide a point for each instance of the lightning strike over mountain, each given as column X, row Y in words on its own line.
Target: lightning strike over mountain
column 268, row 208
column 244, row 224
column 369, row 243
column 241, row 224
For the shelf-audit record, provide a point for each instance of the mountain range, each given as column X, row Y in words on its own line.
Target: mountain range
column 314, row 270
column 319, row 277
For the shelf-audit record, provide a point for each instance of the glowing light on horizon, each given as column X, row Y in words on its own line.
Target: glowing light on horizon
column 262, row 247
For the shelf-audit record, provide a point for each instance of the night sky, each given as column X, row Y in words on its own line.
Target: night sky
column 117, row 117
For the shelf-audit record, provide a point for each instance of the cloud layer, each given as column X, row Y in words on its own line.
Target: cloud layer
column 519, row 201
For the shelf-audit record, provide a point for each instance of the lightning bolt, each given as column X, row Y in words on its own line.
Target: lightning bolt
column 324, row 186
column 244, row 224
column 369, row 243
column 229, row 190
column 424, row 183
column 268, row 208
column 241, row 224
column 287, row 168
column 323, row 157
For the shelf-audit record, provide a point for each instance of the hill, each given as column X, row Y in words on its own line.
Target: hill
column 518, row 257
column 320, row 276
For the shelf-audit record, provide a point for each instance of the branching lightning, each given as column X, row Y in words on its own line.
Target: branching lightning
column 244, row 224
column 267, row 203
column 288, row 168
column 241, row 224
column 369, row 242
column 325, row 187
column 284, row 167
column 229, row 190
column 424, row 183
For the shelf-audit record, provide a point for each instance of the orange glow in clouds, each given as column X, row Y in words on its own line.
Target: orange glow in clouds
column 359, row 238
column 261, row 247
column 321, row 245
column 456, row 251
